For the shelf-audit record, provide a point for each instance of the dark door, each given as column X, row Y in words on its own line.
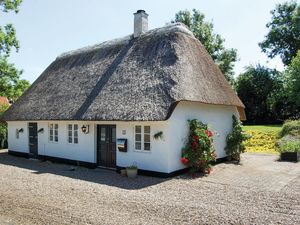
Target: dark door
column 33, row 139
column 106, row 145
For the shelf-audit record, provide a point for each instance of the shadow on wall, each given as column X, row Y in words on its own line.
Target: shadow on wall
column 99, row 176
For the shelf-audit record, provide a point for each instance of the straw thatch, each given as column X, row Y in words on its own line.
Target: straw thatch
column 126, row 79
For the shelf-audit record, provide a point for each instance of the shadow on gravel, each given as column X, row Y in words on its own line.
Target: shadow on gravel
column 99, row 176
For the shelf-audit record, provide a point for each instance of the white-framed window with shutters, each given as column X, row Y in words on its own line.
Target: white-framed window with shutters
column 73, row 133
column 142, row 137
column 53, row 132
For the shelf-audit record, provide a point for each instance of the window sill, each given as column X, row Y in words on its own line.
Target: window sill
column 142, row 151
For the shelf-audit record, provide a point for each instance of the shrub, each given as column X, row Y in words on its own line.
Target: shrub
column 289, row 146
column 291, row 127
column 235, row 139
column 198, row 152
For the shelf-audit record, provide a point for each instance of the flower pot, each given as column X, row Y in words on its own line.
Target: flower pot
column 131, row 173
column 290, row 156
column 123, row 173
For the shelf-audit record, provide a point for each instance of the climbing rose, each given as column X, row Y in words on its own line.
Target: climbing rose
column 209, row 133
column 196, row 137
column 194, row 145
column 184, row 160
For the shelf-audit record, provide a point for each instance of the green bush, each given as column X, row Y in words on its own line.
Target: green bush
column 289, row 146
column 291, row 127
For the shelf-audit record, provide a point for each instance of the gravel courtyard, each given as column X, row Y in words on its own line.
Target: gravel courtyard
column 260, row 191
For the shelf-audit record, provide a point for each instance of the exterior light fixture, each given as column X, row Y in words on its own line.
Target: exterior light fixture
column 41, row 130
column 85, row 129
column 21, row 130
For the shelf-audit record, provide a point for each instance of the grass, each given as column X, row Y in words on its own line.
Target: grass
column 263, row 138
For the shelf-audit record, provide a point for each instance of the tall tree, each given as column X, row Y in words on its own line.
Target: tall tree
column 214, row 43
column 293, row 83
column 283, row 38
column 260, row 89
column 10, row 83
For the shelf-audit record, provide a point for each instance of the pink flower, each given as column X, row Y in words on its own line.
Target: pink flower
column 209, row 133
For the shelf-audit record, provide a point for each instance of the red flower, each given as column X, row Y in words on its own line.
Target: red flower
column 196, row 137
column 194, row 145
column 209, row 133
column 184, row 160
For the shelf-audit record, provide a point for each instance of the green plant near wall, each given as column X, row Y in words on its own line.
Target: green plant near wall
column 235, row 139
column 198, row 152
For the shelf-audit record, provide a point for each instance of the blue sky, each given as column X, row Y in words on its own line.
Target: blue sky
column 47, row 28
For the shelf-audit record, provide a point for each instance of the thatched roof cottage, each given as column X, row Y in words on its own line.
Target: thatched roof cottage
column 125, row 90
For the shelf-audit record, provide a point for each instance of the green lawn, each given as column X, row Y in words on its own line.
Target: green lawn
column 263, row 138
column 263, row 128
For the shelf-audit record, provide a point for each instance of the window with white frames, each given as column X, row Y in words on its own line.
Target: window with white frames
column 73, row 133
column 53, row 132
column 142, row 138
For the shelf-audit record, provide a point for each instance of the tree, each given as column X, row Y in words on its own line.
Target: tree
column 261, row 89
column 293, row 84
column 214, row 43
column 283, row 38
column 11, row 85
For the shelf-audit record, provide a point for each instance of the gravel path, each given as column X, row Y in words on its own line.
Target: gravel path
column 260, row 191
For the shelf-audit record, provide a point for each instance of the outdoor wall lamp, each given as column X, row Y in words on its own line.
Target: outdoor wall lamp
column 21, row 130
column 41, row 130
column 85, row 129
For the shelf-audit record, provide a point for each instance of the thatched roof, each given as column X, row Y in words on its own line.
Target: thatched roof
column 126, row 79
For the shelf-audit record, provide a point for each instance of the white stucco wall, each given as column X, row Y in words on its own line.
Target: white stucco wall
column 165, row 153
column 218, row 118
column 20, row 144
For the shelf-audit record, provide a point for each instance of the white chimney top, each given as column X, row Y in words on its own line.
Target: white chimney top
column 140, row 23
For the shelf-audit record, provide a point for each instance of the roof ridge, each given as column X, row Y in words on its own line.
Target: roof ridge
column 172, row 27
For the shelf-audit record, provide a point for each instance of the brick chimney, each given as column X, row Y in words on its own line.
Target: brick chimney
column 140, row 23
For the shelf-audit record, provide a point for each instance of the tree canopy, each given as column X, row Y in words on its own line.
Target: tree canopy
column 283, row 38
column 11, row 85
column 259, row 87
column 214, row 43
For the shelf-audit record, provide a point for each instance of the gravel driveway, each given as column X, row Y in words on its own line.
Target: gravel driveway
column 260, row 191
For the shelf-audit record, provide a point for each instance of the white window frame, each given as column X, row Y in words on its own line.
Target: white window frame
column 54, row 128
column 73, row 136
column 142, row 138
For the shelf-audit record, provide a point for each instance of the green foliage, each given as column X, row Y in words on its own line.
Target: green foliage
column 235, row 139
column 262, row 91
column 291, row 127
column 283, row 37
column 3, row 127
column 293, row 84
column 288, row 146
column 214, row 43
column 11, row 85
column 198, row 152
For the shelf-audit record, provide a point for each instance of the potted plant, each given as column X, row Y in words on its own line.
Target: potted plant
column 289, row 150
column 132, row 170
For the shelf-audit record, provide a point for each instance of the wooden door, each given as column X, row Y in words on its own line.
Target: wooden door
column 106, row 145
column 33, row 139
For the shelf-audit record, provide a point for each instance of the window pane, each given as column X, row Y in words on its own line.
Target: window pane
column 70, row 127
column 147, row 138
column 51, row 132
column 55, row 132
column 138, row 137
column 147, row 146
column 56, row 138
column 75, row 126
column 70, row 133
column 70, row 139
column 138, row 129
column 51, row 126
column 51, row 138
column 138, row 146
column 75, row 140
column 147, row 129
column 56, row 126
column 113, row 134
column 75, row 133
column 103, row 134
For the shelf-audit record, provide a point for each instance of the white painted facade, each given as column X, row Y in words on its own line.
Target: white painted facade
column 164, row 155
